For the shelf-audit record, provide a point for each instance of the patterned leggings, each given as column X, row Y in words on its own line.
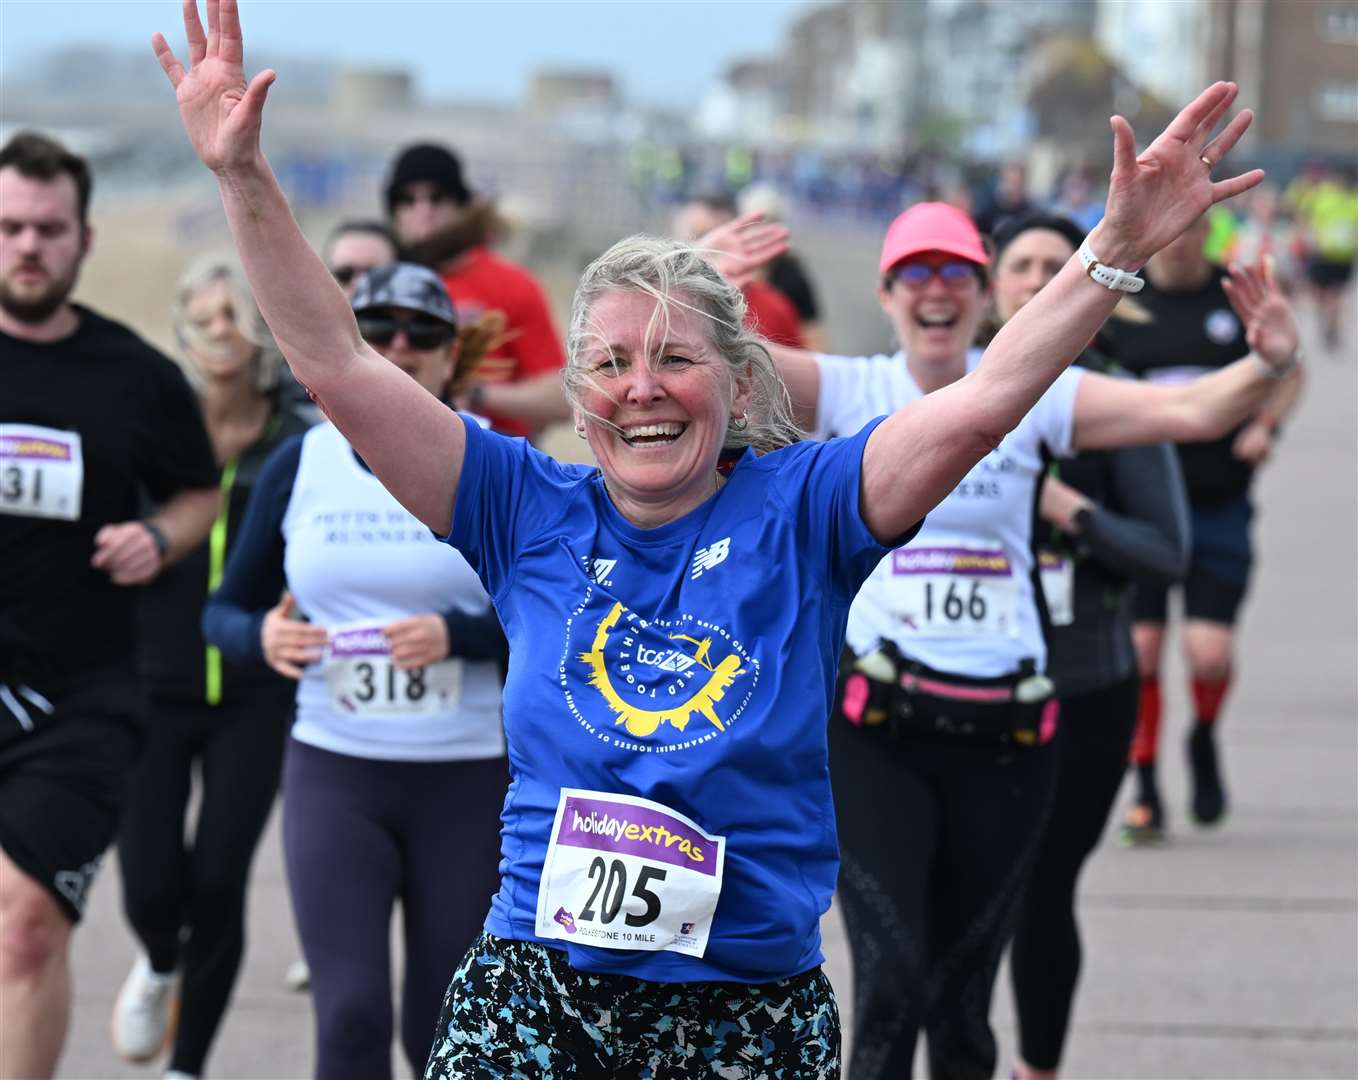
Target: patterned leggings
column 517, row 1010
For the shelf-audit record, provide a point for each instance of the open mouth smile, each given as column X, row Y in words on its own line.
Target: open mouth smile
column 936, row 320
column 647, row 435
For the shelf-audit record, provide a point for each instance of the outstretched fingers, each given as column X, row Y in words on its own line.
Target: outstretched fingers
column 230, row 46
column 256, row 93
column 213, row 36
column 1124, row 147
column 1185, row 125
column 1203, row 134
column 1229, row 189
column 193, row 31
column 173, row 69
column 1219, row 147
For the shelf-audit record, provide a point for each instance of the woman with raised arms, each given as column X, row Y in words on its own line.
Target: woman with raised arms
column 668, row 836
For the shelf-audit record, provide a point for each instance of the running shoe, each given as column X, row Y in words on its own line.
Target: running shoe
column 145, row 1013
column 1144, row 822
column 1209, row 794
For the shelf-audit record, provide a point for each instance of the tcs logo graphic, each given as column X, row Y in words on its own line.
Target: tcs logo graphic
column 625, row 676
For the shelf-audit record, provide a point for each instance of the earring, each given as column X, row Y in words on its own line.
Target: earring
column 580, row 431
column 741, row 422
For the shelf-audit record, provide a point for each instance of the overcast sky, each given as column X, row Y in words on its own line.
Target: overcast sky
column 662, row 52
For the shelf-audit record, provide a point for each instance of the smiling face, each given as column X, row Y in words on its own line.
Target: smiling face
column 1031, row 260
column 655, row 406
column 935, row 321
column 217, row 349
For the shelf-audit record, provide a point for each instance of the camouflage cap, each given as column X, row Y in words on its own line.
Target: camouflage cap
column 404, row 285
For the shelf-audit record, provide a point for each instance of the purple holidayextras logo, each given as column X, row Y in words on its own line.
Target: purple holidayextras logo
column 566, row 919
column 985, row 562
column 363, row 641
column 34, row 447
column 622, row 827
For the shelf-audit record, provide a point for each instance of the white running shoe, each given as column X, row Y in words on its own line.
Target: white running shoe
column 175, row 1074
column 145, row 1013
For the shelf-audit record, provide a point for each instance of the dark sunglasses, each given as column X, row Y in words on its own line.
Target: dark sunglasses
column 917, row 275
column 421, row 331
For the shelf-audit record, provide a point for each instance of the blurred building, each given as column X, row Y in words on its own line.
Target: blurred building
column 978, row 50
column 857, row 74
column 1159, row 44
column 745, row 105
column 1297, row 64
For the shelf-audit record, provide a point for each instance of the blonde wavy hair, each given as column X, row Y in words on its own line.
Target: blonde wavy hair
column 208, row 270
column 679, row 277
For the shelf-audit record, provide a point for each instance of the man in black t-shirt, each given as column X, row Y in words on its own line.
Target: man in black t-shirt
column 1192, row 330
column 90, row 418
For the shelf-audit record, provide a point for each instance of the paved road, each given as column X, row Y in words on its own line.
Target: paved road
column 1232, row 953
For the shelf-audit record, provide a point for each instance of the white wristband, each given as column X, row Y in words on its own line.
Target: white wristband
column 1110, row 277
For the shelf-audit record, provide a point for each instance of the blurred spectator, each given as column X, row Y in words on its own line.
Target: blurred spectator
column 355, row 247
column 440, row 222
column 786, row 273
column 1264, row 233
column 1326, row 204
column 767, row 311
column 1078, row 199
column 1008, row 197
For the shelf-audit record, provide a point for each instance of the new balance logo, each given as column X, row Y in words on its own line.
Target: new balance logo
column 710, row 556
column 599, row 570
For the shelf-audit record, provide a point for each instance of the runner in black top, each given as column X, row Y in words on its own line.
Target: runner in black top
column 1106, row 518
column 90, row 415
column 1193, row 330
column 226, row 721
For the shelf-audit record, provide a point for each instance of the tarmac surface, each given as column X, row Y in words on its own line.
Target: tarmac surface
column 1224, row 953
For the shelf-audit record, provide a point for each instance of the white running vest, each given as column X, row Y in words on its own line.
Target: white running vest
column 959, row 596
column 355, row 561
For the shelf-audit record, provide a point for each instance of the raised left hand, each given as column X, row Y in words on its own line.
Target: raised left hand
column 1270, row 325
column 740, row 247
column 1155, row 196
column 127, row 553
column 418, row 641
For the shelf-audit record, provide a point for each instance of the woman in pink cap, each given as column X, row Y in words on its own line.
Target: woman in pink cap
column 941, row 740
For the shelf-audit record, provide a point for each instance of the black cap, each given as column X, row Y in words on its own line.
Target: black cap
column 1009, row 229
column 404, row 285
column 428, row 161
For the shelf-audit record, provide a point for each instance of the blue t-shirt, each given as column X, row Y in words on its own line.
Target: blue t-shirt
column 691, row 664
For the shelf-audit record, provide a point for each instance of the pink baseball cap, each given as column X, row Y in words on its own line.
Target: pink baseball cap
column 932, row 226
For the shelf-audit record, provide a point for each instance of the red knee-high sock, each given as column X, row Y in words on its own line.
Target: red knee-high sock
column 1147, row 735
column 1208, row 696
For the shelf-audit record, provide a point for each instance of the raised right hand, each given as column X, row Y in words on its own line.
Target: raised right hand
column 290, row 644
column 738, row 248
column 220, row 112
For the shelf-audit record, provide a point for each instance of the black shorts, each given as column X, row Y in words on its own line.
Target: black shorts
column 1218, row 570
column 1329, row 273
column 63, row 779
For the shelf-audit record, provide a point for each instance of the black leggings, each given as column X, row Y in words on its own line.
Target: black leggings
column 936, row 842
column 1045, row 962
column 185, row 899
column 358, row 835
